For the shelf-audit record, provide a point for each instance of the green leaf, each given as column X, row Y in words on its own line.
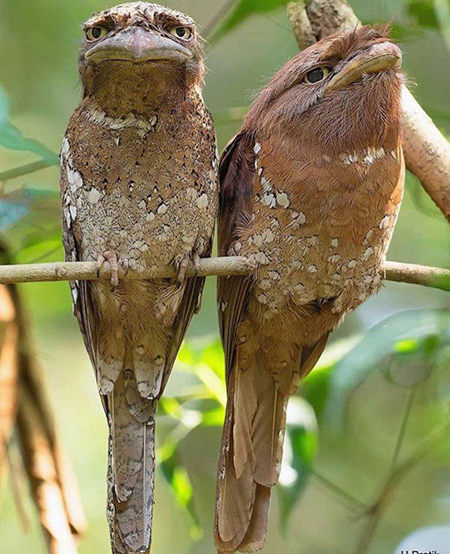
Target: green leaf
column 240, row 11
column 41, row 251
column 4, row 106
column 214, row 417
column 422, row 13
column 300, row 448
column 178, row 479
column 12, row 139
column 214, row 386
column 406, row 346
column 403, row 346
column 213, row 356
column 316, row 387
column 169, row 406
column 442, row 11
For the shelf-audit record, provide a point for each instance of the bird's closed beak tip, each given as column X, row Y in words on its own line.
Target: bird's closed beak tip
column 379, row 57
column 137, row 45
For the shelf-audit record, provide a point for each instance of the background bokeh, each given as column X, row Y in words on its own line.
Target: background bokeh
column 380, row 396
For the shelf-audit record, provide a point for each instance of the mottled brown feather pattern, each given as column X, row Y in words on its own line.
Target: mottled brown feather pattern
column 310, row 192
column 138, row 185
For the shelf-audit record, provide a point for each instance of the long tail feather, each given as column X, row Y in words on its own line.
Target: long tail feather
column 250, row 462
column 131, row 467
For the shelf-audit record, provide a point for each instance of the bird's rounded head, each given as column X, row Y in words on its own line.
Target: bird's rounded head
column 342, row 92
column 141, row 44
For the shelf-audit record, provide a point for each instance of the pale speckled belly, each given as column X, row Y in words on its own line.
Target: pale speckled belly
column 149, row 213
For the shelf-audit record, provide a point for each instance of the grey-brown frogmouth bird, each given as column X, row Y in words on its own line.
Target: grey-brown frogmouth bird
column 139, row 190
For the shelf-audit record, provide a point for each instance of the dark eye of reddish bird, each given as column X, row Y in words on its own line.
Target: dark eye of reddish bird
column 317, row 74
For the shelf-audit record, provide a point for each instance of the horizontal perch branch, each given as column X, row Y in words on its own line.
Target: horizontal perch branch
column 86, row 271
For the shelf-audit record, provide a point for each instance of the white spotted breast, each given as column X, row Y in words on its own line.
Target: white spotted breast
column 146, row 189
column 301, row 255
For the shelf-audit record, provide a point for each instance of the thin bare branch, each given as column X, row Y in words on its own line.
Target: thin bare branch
column 224, row 266
column 350, row 501
column 403, row 427
column 427, row 152
column 430, row 445
column 413, row 274
column 24, row 170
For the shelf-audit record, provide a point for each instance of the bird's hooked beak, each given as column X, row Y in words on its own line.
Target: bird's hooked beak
column 377, row 58
column 137, row 45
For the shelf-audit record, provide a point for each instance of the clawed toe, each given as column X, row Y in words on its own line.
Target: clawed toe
column 196, row 261
column 185, row 263
column 111, row 258
column 182, row 268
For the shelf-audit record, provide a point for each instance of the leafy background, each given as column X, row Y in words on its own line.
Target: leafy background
column 367, row 453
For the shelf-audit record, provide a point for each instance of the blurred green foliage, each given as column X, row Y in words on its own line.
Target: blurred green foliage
column 12, row 139
column 236, row 12
column 380, row 395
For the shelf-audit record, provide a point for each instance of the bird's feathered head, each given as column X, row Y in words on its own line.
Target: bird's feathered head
column 140, row 41
column 340, row 92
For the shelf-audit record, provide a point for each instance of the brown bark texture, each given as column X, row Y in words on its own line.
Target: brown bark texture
column 26, row 422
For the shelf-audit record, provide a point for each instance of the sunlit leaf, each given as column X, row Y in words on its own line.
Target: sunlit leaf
column 169, row 406
column 178, row 479
column 385, row 348
column 442, row 11
column 240, row 11
column 186, row 354
column 12, row 139
column 213, row 356
column 214, row 385
column 214, row 418
column 408, row 345
column 300, row 448
column 422, row 13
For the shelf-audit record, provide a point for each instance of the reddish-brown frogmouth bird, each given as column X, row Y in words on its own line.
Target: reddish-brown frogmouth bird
column 310, row 191
column 139, row 190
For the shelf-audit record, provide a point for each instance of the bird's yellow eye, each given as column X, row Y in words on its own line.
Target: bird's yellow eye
column 316, row 75
column 95, row 33
column 184, row 33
